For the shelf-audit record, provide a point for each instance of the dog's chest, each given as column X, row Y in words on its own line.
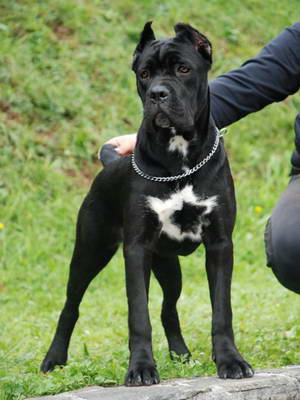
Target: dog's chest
column 183, row 214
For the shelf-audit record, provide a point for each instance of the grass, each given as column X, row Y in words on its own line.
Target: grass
column 66, row 87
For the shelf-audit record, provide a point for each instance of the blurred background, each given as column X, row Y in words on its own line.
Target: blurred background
column 66, row 86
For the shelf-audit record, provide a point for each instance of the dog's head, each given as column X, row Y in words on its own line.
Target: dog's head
column 171, row 78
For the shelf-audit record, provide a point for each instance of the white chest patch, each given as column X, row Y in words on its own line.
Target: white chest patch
column 171, row 213
column 178, row 143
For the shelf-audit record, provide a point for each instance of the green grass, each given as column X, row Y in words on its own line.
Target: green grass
column 66, row 87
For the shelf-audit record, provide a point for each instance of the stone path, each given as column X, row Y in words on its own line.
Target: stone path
column 275, row 384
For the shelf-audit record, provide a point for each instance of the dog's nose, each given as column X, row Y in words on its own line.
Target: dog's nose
column 159, row 93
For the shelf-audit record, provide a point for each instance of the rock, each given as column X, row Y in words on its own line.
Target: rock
column 275, row 384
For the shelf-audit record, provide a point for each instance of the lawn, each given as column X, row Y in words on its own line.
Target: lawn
column 66, row 87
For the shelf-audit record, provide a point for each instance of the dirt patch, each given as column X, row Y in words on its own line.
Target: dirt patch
column 84, row 176
column 61, row 31
column 10, row 113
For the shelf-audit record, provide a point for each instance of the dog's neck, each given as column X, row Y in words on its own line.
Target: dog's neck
column 157, row 159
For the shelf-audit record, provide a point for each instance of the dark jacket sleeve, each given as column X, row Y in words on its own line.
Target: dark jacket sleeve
column 269, row 77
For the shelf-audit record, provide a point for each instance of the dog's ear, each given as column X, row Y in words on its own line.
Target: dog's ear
column 147, row 35
column 200, row 41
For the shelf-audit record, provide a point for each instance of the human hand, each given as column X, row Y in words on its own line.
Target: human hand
column 124, row 144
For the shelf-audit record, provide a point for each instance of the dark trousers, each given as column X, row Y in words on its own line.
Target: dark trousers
column 282, row 237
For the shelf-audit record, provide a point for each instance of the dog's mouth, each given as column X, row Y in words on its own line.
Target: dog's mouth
column 162, row 123
column 161, row 120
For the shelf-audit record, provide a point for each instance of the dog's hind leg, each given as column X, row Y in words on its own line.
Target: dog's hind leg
column 95, row 245
column 168, row 273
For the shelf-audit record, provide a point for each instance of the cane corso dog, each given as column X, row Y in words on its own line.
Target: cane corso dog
column 172, row 194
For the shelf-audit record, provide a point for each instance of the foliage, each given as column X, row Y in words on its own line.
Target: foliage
column 66, row 87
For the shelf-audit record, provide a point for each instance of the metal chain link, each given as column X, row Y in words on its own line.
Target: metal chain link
column 181, row 176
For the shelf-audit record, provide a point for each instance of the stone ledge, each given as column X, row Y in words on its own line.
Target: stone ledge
column 273, row 384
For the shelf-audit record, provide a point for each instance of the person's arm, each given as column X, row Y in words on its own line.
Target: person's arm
column 269, row 77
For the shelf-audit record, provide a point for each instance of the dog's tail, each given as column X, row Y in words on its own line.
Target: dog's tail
column 108, row 154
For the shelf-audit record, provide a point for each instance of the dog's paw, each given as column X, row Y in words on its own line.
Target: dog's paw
column 51, row 361
column 235, row 369
column 145, row 375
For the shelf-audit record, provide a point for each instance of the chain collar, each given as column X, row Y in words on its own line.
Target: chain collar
column 185, row 174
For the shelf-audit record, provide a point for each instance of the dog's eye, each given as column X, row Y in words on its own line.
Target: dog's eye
column 144, row 74
column 183, row 69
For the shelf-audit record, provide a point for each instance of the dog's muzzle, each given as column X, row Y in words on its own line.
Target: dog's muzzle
column 165, row 109
column 159, row 96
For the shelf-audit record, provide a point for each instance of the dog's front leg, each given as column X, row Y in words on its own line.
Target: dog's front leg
column 219, row 263
column 142, row 369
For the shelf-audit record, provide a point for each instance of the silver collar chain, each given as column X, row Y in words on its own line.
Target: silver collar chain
column 185, row 174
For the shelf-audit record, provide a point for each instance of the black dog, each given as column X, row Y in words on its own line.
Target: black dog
column 174, row 193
